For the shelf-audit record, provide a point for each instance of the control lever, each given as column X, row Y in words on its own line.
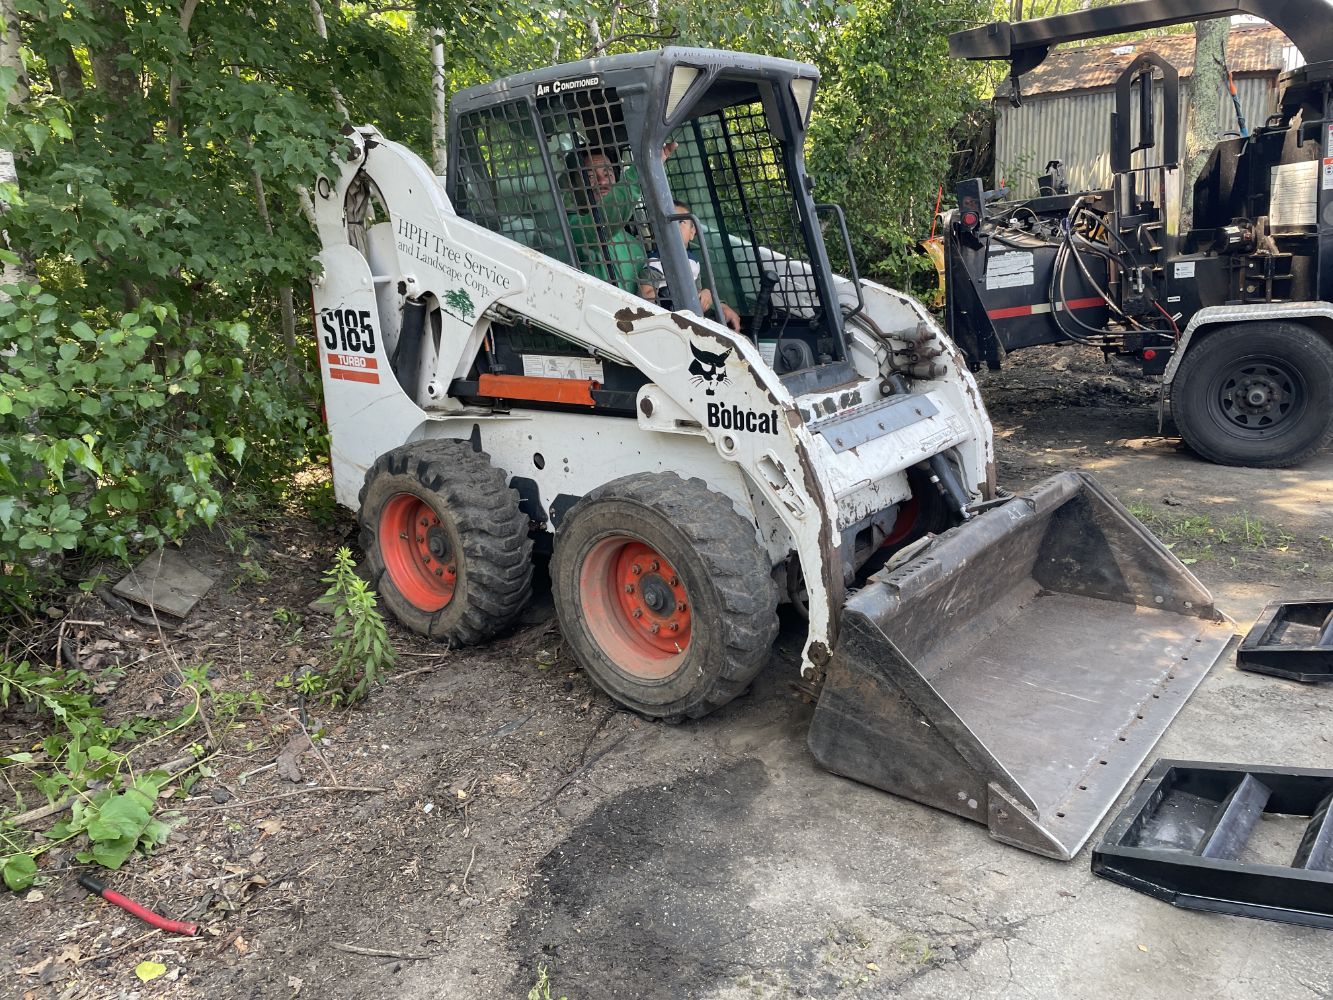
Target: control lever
column 763, row 303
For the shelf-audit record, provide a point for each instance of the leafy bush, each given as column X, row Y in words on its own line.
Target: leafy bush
column 127, row 432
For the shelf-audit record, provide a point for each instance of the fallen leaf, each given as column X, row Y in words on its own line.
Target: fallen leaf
column 154, row 700
column 295, row 982
column 270, row 828
column 36, row 896
column 148, row 971
column 240, row 945
column 1143, row 947
column 872, row 966
column 36, row 970
column 70, row 953
column 289, row 761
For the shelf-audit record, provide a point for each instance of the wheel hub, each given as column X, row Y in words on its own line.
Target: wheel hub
column 437, row 542
column 1257, row 396
column 657, row 596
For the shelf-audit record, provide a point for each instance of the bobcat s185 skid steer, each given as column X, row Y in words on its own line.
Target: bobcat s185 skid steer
column 613, row 329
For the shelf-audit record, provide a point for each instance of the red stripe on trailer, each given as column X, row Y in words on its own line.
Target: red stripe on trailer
column 1012, row 312
column 1091, row 303
column 354, row 375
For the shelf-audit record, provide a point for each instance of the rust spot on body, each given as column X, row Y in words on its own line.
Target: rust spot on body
column 627, row 317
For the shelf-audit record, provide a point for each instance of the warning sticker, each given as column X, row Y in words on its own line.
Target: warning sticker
column 1184, row 269
column 1328, row 173
column 1009, row 270
column 561, row 366
column 1294, row 199
column 1328, row 146
column 768, row 350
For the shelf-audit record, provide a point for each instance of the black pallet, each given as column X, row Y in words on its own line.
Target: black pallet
column 1292, row 639
column 1195, row 834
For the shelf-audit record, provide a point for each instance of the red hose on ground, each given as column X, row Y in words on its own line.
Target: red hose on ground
column 143, row 913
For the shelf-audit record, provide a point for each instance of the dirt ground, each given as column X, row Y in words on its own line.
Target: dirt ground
column 519, row 821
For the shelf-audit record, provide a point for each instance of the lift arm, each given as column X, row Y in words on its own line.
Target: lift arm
column 1308, row 23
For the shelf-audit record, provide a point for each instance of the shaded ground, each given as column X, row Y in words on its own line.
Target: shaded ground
column 525, row 822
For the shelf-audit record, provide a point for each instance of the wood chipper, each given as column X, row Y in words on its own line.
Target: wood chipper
column 1233, row 311
column 612, row 332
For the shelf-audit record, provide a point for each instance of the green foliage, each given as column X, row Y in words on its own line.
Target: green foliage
column 361, row 650
column 114, row 811
column 147, row 380
column 886, row 123
column 124, row 432
column 541, row 990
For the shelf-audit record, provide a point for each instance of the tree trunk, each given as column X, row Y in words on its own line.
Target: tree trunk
column 11, row 59
column 112, row 59
column 322, row 29
column 1204, row 121
column 174, row 83
column 439, row 106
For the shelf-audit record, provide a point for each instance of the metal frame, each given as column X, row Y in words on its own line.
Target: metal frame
column 1182, row 836
column 1291, row 639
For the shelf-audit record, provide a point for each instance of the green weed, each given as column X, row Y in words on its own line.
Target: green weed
column 362, row 653
column 86, row 760
column 541, row 990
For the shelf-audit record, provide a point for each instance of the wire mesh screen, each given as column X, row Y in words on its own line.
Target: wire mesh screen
column 731, row 172
column 504, row 181
column 555, row 174
column 599, row 183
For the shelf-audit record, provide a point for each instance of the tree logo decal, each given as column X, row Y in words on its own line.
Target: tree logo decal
column 459, row 303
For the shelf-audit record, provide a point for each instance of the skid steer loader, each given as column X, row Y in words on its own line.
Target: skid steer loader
column 613, row 329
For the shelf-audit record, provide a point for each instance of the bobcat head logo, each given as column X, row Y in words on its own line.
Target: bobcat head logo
column 709, row 369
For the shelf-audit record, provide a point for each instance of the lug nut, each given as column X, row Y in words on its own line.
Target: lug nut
column 654, row 628
column 674, row 581
column 636, row 569
column 425, row 522
column 674, row 627
column 654, row 567
column 629, row 588
column 420, row 538
column 439, row 572
column 680, row 606
column 637, row 612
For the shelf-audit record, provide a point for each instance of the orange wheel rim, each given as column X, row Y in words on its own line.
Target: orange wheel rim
column 905, row 523
column 636, row 607
column 418, row 553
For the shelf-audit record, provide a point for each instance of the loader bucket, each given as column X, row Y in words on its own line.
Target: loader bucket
column 1019, row 670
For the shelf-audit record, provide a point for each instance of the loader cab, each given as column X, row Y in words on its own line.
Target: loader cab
column 599, row 163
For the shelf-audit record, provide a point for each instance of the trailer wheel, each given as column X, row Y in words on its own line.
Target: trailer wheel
column 664, row 594
column 1256, row 394
column 446, row 545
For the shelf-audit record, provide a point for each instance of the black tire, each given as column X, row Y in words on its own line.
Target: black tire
column 467, row 573
column 702, row 569
column 1258, row 394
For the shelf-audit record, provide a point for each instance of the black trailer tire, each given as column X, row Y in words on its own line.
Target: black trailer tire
column 446, row 545
column 1257, row 394
column 664, row 594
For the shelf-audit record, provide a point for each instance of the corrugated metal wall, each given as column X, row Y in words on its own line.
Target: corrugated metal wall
column 1076, row 128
